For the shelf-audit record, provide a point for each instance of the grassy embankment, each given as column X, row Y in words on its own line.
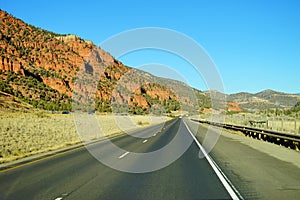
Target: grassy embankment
column 25, row 134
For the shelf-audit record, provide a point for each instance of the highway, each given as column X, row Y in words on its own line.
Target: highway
column 78, row 175
column 257, row 169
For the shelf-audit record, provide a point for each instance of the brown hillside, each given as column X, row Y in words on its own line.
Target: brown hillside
column 41, row 67
column 233, row 106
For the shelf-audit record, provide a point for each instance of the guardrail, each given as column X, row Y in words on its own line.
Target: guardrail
column 284, row 139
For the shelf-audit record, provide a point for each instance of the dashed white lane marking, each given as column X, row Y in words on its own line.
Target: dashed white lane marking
column 62, row 196
column 225, row 181
column 145, row 141
column 123, row 155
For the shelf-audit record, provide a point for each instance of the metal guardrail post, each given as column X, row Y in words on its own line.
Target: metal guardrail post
column 295, row 126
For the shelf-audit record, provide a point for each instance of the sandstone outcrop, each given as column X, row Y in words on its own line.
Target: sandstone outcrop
column 41, row 68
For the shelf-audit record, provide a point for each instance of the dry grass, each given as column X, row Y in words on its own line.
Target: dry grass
column 280, row 123
column 25, row 134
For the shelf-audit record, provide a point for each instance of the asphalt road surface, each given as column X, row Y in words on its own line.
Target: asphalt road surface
column 257, row 169
column 78, row 175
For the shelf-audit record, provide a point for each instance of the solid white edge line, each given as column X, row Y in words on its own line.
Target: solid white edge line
column 124, row 154
column 225, row 181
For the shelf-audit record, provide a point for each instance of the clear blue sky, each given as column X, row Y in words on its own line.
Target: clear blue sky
column 254, row 43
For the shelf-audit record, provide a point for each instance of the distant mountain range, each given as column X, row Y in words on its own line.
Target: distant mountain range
column 267, row 99
column 264, row 100
column 40, row 69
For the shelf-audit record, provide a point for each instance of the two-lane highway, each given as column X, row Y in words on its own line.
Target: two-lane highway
column 78, row 175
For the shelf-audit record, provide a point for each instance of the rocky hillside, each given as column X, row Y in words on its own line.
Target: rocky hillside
column 10, row 102
column 44, row 69
column 267, row 99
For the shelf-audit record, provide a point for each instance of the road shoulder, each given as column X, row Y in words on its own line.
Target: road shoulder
column 258, row 169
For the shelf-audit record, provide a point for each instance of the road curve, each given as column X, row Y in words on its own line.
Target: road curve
column 78, row 175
